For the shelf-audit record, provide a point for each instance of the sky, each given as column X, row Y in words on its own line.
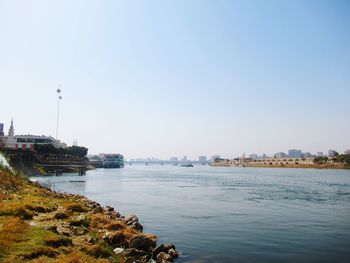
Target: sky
column 175, row 78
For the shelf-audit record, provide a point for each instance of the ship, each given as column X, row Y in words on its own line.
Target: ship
column 112, row 160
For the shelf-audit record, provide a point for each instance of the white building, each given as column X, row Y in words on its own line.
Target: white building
column 25, row 142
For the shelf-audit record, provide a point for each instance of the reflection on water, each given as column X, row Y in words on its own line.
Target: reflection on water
column 230, row 214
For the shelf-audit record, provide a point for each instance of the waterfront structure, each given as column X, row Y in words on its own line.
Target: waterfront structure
column 27, row 142
column 294, row 153
column 332, row 153
column 1, row 129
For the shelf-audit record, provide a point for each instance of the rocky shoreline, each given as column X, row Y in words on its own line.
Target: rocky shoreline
column 69, row 228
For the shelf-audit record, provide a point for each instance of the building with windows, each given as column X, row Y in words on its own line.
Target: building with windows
column 294, row 153
column 27, row 142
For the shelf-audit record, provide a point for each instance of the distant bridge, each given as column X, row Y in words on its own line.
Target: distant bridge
column 166, row 162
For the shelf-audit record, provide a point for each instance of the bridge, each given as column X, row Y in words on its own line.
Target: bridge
column 160, row 162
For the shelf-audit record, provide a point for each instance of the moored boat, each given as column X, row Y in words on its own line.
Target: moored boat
column 112, row 160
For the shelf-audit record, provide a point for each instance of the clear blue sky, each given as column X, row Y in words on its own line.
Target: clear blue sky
column 169, row 78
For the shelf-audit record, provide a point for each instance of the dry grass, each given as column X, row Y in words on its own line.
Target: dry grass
column 21, row 201
column 115, row 225
column 12, row 230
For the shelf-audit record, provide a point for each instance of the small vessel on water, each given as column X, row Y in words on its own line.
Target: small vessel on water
column 112, row 160
column 187, row 165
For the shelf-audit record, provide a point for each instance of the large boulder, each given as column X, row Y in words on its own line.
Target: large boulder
column 115, row 239
column 164, row 257
column 142, row 242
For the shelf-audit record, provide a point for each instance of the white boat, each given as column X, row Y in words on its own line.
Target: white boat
column 112, row 160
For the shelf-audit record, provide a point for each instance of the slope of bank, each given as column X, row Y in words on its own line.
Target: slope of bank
column 39, row 225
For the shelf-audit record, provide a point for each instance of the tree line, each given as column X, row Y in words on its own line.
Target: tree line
column 50, row 149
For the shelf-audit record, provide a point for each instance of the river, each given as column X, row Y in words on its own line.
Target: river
column 230, row 214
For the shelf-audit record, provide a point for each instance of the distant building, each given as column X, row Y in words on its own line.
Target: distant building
column 202, row 159
column 264, row 156
column 307, row 155
column 253, row 156
column 332, row 153
column 347, row 152
column 280, row 155
column 173, row 159
column 319, row 154
column 294, row 153
column 185, row 158
column 214, row 157
column 1, row 129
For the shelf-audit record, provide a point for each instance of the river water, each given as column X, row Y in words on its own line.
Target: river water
column 230, row 214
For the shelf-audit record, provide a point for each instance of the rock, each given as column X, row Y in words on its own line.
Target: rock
column 80, row 220
column 109, row 208
column 64, row 230
column 118, row 250
column 137, row 226
column 164, row 257
column 173, row 253
column 79, row 231
column 32, row 223
column 142, row 242
column 130, row 219
column 97, row 210
column 91, row 240
column 115, row 238
column 132, row 252
column 113, row 215
column 159, row 249
column 170, row 246
column 60, row 215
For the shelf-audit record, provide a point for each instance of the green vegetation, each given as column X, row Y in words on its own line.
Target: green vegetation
column 38, row 225
column 342, row 158
column 50, row 149
column 321, row 160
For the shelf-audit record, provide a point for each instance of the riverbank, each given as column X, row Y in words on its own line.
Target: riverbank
column 39, row 225
column 279, row 164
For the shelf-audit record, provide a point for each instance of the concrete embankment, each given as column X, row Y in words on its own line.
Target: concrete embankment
column 39, row 225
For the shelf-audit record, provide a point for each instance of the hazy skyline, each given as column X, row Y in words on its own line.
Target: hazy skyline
column 174, row 78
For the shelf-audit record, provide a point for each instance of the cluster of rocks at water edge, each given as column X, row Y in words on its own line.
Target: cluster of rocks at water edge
column 136, row 247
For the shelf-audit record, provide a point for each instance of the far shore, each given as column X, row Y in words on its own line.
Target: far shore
column 230, row 163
